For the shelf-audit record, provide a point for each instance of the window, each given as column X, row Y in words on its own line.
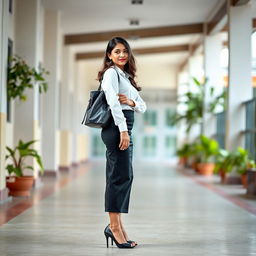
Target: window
column 170, row 146
column 8, row 103
column 149, row 146
column 168, row 114
column 98, row 147
column 150, row 118
column 10, row 6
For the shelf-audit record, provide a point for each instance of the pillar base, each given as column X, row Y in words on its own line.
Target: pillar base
column 233, row 180
column 38, row 183
column 51, row 173
column 4, row 196
column 64, row 168
column 75, row 164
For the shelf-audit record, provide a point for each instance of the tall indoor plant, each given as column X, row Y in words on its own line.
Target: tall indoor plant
column 193, row 102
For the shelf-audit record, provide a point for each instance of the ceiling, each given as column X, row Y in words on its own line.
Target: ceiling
column 84, row 16
column 87, row 16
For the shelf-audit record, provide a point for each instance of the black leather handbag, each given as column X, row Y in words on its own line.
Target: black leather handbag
column 98, row 112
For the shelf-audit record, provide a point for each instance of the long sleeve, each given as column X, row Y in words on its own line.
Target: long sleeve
column 111, row 89
column 140, row 105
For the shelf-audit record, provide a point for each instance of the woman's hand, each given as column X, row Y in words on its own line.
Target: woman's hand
column 124, row 100
column 124, row 140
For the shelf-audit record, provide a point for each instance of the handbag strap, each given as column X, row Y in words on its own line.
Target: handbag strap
column 99, row 89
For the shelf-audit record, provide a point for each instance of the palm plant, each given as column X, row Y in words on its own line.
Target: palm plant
column 194, row 106
column 218, row 101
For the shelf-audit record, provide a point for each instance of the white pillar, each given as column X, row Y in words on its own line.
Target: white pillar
column 65, row 109
column 182, row 88
column 4, row 11
column 28, row 46
column 240, row 84
column 212, row 67
column 195, row 69
column 83, row 93
column 76, row 119
column 50, row 100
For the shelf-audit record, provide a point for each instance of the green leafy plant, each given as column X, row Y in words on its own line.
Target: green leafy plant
column 190, row 151
column 18, row 155
column 21, row 76
column 221, row 161
column 207, row 148
column 239, row 161
column 194, row 107
column 184, row 151
column 218, row 102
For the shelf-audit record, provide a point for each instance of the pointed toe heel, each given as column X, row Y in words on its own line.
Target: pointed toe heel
column 108, row 233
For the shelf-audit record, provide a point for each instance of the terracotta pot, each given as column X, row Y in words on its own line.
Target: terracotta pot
column 182, row 160
column 223, row 176
column 195, row 166
column 244, row 180
column 19, row 186
column 206, row 168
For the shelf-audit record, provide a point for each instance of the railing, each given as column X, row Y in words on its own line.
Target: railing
column 221, row 128
column 250, row 127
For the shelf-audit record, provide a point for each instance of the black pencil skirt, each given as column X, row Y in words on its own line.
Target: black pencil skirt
column 119, row 172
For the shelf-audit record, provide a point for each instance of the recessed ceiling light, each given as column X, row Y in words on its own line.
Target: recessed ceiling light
column 134, row 22
column 137, row 1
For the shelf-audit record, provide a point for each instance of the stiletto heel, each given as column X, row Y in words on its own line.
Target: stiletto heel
column 108, row 233
column 106, row 239
column 128, row 241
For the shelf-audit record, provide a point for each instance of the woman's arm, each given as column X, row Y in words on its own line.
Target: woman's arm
column 139, row 105
column 111, row 89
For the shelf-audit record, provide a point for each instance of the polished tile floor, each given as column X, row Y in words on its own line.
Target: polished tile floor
column 170, row 214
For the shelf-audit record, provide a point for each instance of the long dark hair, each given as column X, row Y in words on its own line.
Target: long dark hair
column 130, row 66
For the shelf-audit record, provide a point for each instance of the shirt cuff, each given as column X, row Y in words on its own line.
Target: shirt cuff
column 122, row 127
column 136, row 105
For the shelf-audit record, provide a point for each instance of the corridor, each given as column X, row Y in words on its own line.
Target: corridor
column 170, row 214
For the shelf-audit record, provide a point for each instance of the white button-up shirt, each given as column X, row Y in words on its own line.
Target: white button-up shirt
column 112, row 87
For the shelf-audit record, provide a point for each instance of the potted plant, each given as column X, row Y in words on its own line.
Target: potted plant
column 17, row 183
column 186, row 152
column 241, row 163
column 193, row 102
column 195, row 155
column 208, row 148
column 182, row 153
column 221, row 164
column 21, row 76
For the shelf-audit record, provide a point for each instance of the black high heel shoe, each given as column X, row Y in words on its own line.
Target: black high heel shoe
column 128, row 241
column 108, row 233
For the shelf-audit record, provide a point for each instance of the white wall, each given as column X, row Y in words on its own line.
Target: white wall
column 152, row 74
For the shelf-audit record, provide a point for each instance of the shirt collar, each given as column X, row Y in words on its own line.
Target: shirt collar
column 121, row 72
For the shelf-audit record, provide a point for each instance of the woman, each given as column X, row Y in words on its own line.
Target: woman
column 117, row 76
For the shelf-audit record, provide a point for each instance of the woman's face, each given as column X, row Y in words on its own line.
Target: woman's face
column 119, row 55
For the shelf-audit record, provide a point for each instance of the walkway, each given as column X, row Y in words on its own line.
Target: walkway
column 170, row 214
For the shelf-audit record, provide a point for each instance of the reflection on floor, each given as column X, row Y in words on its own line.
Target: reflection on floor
column 170, row 214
